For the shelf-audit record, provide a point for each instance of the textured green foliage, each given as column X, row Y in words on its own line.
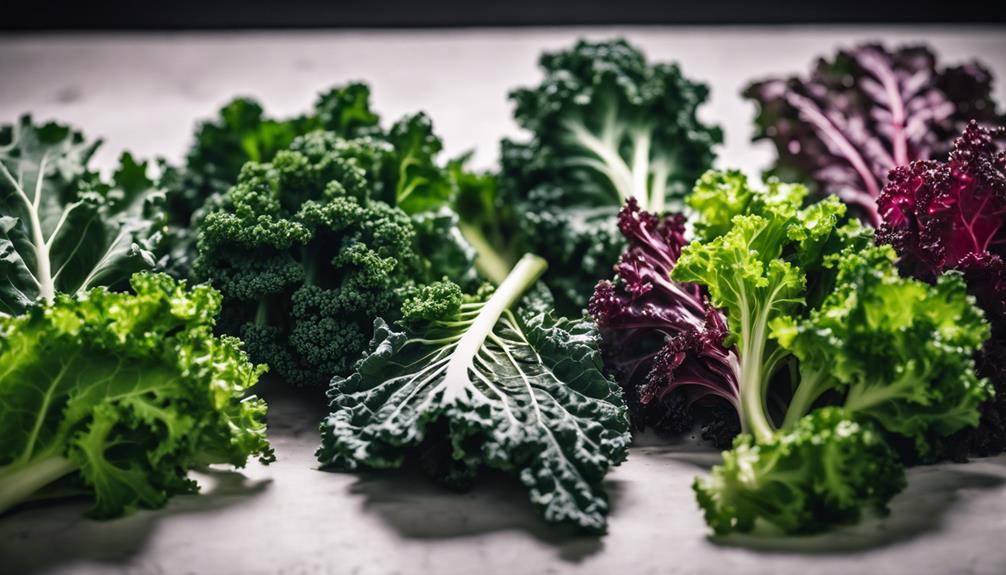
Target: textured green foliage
column 242, row 133
column 119, row 395
column 305, row 259
column 606, row 126
column 801, row 289
column 818, row 474
column 898, row 349
column 62, row 228
column 756, row 268
column 481, row 385
column 401, row 166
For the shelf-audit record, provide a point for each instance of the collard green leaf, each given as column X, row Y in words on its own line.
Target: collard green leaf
column 521, row 394
column 62, row 228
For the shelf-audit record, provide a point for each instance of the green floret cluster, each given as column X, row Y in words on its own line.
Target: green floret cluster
column 306, row 258
column 820, row 473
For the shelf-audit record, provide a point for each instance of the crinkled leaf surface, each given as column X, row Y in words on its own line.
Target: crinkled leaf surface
column 819, row 474
column 521, row 394
column 124, row 393
column 866, row 111
column 63, row 229
column 606, row 125
column 660, row 337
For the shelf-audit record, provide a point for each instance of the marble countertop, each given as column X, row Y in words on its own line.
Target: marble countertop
column 144, row 93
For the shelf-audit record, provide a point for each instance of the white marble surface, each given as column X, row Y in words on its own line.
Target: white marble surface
column 143, row 93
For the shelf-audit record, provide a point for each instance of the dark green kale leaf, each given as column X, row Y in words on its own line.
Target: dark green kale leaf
column 524, row 393
column 605, row 126
column 63, row 229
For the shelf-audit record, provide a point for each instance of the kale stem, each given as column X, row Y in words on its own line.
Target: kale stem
column 18, row 485
column 754, row 376
column 524, row 274
column 262, row 312
column 807, row 392
column 489, row 261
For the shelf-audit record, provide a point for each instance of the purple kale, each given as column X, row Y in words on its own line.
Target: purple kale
column 951, row 216
column 662, row 339
column 864, row 112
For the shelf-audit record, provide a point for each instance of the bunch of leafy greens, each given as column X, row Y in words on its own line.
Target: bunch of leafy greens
column 951, row 216
column 463, row 382
column 241, row 133
column 307, row 255
column 864, row 112
column 63, row 229
column 816, row 316
column 404, row 170
column 606, row 126
column 660, row 338
column 119, row 395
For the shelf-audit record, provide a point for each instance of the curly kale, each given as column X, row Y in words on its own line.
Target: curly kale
column 661, row 339
column 808, row 299
column 606, row 126
column 865, row 111
column 118, row 395
column 951, row 217
column 242, row 133
column 820, row 473
column 306, row 258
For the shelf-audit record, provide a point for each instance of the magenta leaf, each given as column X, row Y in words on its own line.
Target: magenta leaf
column 951, row 216
column 864, row 112
column 662, row 339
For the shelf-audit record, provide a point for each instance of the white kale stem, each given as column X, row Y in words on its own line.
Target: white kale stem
column 524, row 275
column 19, row 482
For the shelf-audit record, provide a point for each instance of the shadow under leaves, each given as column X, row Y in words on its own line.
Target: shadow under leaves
column 920, row 509
column 416, row 507
column 42, row 536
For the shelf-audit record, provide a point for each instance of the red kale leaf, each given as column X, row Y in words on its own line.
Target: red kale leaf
column 865, row 112
column 951, row 216
column 662, row 339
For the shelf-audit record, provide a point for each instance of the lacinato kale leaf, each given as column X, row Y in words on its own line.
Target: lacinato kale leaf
column 605, row 126
column 864, row 112
column 498, row 388
column 63, row 229
column 119, row 395
column 951, row 216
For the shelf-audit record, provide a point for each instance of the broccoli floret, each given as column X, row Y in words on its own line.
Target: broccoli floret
column 306, row 259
